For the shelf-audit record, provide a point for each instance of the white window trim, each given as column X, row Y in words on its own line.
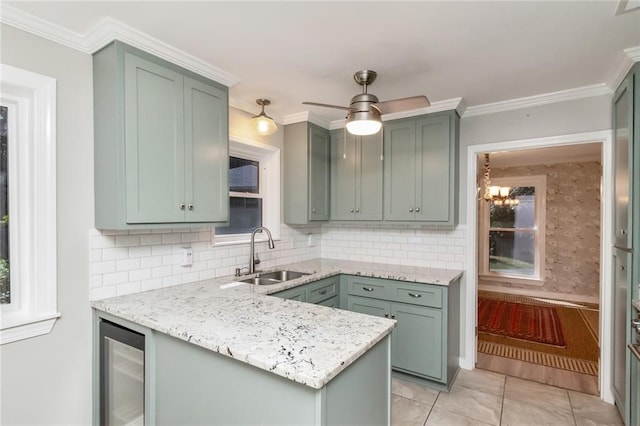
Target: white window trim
column 269, row 158
column 540, row 183
column 32, row 204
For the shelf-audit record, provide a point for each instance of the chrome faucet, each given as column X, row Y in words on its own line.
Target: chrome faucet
column 252, row 260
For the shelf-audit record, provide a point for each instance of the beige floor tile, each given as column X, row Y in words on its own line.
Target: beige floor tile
column 480, row 380
column 408, row 412
column 529, row 403
column 413, row 391
column 440, row 417
column 471, row 403
column 590, row 410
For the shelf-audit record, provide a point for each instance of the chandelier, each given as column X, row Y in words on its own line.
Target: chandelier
column 498, row 195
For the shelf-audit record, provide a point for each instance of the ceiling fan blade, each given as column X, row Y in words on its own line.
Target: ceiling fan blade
column 326, row 105
column 404, row 104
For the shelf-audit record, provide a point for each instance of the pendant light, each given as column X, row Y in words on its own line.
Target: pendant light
column 262, row 123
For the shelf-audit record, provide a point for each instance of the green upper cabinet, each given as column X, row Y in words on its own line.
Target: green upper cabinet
column 306, row 184
column 356, row 176
column 161, row 142
column 420, row 169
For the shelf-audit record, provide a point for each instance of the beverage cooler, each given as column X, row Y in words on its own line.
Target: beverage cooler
column 121, row 375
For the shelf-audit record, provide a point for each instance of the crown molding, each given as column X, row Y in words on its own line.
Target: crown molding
column 299, row 117
column 538, row 100
column 633, row 53
column 106, row 31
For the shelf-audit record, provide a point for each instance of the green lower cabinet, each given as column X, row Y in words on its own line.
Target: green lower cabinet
column 417, row 346
column 416, row 342
column 425, row 343
column 332, row 302
column 296, row 293
column 322, row 292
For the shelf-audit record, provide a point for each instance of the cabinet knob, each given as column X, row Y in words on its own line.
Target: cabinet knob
column 623, row 268
column 623, row 232
column 190, row 206
column 357, row 210
column 323, row 291
column 351, row 211
column 386, row 315
column 417, row 209
column 393, row 316
column 313, row 210
column 182, row 205
column 410, row 209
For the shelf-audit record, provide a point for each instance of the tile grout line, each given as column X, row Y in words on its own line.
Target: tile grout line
column 431, row 409
column 504, row 391
column 573, row 414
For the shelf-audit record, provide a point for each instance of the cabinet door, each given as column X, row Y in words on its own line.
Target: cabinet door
column 296, row 293
column 369, row 178
column 621, row 326
column 364, row 305
column 154, row 142
column 319, row 163
column 343, row 175
column 433, row 185
column 417, row 340
column 622, row 121
column 399, row 170
column 206, row 153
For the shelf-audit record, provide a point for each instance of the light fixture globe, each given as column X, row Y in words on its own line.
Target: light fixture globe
column 262, row 123
column 363, row 123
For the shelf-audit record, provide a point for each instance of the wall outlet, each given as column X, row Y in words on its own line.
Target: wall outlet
column 310, row 240
column 186, row 256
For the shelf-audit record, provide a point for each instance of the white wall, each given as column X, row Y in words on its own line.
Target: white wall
column 563, row 118
column 47, row 379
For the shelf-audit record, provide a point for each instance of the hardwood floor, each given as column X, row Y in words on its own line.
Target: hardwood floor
column 539, row 373
column 566, row 379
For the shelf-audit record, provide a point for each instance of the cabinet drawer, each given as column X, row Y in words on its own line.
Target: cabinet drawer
column 296, row 293
column 323, row 289
column 416, row 294
column 367, row 287
column 331, row 302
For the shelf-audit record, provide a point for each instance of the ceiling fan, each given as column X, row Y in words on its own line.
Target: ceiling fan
column 365, row 110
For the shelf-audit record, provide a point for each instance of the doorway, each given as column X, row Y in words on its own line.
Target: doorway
column 539, row 264
column 603, row 292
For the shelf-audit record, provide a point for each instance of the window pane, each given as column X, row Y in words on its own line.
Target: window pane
column 245, row 214
column 512, row 252
column 519, row 214
column 5, row 288
column 243, row 175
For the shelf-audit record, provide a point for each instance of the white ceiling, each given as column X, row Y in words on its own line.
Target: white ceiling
column 289, row 52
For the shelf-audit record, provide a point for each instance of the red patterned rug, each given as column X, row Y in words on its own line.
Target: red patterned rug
column 540, row 324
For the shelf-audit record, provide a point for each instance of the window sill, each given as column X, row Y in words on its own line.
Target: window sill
column 512, row 279
column 27, row 328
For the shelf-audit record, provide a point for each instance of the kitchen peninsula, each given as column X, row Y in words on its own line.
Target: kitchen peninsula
column 307, row 364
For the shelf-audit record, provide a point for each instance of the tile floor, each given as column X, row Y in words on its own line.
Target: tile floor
column 481, row 398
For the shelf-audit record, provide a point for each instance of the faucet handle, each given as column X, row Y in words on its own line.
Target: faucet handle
column 239, row 270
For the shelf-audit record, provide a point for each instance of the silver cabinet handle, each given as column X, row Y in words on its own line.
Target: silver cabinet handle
column 323, row 291
column 635, row 322
column 386, row 315
column 417, row 209
column 410, row 210
column 623, row 232
column 623, row 268
column 190, row 206
column 313, row 210
column 357, row 210
column 182, row 205
column 367, row 288
column 393, row 316
column 415, row 295
column 351, row 211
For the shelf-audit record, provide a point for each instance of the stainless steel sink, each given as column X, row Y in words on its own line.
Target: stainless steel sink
column 260, row 281
column 275, row 277
column 282, row 275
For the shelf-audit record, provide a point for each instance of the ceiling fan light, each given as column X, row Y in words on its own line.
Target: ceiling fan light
column 363, row 123
column 262, row 124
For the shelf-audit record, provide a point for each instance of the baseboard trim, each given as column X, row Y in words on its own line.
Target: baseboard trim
column 537, row 293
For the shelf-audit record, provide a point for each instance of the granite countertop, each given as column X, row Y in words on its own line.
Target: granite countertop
column 306, row 343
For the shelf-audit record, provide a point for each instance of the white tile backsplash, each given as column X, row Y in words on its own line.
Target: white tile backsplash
column 124, row 262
